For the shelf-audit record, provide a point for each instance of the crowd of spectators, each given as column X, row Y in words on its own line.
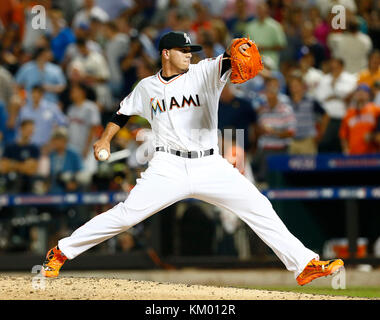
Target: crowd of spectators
column 60, row 84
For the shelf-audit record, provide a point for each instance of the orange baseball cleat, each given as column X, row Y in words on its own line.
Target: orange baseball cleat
column 53, row 263
column 316, row 269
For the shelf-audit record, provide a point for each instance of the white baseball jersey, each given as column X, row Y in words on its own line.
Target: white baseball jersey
column 183, row 112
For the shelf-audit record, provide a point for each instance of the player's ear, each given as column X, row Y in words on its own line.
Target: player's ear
column 165, row 53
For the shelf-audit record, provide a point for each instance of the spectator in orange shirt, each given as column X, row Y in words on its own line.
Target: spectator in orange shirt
column 372, row 74
column 12, row 15
column 359, row 124
column 7, row 12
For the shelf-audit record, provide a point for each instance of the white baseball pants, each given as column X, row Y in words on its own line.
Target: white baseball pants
column 213, row 179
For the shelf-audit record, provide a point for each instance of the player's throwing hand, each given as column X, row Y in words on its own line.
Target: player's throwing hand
column 105, row 140
column 101, row 145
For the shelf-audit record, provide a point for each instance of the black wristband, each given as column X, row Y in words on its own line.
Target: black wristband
column 119, row 119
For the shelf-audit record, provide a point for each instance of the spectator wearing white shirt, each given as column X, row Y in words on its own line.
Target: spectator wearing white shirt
column 84, row 120
column 310, row 75
column 72, row 51
column 332, row 92
column 91, row 68
column 352, row 46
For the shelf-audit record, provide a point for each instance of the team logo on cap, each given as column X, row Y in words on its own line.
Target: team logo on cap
column 187, row 38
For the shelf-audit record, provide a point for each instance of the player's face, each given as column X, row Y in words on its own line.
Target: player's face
column 180, row 58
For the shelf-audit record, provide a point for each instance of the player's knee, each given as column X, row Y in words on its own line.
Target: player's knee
column 128, row 216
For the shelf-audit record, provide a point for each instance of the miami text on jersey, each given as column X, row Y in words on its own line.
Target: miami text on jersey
column 159, row 104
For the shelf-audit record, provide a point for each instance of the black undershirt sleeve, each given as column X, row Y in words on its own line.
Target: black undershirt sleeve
column 226, row 64
column 119, row 119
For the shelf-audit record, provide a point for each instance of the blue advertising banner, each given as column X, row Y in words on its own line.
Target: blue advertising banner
column 324, row 162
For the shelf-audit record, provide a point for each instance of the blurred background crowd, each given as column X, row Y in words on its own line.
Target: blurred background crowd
column 59, row 85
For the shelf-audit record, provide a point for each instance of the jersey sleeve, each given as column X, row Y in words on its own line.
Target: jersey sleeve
column 211, row 70
column 133, row 103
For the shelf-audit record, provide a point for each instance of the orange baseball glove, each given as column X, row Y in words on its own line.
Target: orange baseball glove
column 247, row 64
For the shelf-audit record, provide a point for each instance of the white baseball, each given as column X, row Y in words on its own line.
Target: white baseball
column 103, row 154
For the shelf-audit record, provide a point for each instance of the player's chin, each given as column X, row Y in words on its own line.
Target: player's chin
column 186, row 65
column 183, row 70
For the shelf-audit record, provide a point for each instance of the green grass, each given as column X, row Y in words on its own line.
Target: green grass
column 359, row 292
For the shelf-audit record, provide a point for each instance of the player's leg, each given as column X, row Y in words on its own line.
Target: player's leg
column 161, row 185
column 227, row 188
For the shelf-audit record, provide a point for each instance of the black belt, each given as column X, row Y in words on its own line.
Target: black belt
column 187, row 154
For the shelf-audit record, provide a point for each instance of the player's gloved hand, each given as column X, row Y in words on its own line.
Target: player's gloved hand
column 99, row 145
column 246, row 61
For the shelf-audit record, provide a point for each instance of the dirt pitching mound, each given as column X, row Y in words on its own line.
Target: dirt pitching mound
column 74, row 288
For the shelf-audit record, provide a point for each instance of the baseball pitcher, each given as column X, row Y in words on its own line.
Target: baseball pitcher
column 181, row 104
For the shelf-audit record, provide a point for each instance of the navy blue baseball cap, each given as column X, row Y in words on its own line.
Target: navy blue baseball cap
column 177, row 39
